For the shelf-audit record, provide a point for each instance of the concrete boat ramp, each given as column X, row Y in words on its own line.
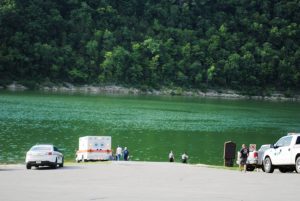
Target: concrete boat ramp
column 143, row 181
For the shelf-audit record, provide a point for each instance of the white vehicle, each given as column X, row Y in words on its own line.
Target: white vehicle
column 284, row 154
column 92, row 148
column 44, row 155
column 260, row 155
column 251, row 160
column 255, row 158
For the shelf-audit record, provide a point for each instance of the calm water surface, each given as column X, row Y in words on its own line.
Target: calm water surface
column 149, row 126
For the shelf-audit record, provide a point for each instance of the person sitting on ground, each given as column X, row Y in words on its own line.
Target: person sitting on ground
column 244, row 152
column 171, row 156
column 184, row 157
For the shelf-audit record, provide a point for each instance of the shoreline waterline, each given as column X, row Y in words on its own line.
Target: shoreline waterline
column 67, row 88
column 234, row 167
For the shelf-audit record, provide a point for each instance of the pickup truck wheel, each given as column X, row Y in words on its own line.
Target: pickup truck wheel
column 297, row 166
column 269, row 168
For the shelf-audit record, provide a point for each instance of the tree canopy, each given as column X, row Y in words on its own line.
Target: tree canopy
column 237, row 44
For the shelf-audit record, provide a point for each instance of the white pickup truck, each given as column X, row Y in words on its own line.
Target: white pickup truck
column 284, row 154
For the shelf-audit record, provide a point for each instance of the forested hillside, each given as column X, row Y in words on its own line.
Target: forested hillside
column 249, row 45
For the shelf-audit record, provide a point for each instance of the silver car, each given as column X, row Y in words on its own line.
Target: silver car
column 44, row 155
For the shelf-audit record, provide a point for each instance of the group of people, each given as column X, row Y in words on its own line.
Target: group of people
column 122, row 153
column 244, row 152
column 184, row 157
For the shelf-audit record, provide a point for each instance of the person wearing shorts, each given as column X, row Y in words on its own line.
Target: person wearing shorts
column 244, row 152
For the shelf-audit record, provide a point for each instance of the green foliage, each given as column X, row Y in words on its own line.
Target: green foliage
column 252, row 46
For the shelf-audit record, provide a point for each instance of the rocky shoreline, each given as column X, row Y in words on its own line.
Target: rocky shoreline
column 113, row 89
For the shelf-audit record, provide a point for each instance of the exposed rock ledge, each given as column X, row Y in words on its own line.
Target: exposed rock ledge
column 112, row 89
column 16, row 87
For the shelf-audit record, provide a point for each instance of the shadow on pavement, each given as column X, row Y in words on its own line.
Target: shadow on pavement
column 59, row 169
column 9, row 169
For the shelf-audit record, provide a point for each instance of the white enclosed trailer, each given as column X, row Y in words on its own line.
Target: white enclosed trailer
column 92, row 148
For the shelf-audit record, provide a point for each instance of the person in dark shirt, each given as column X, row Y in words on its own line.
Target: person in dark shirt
column 126, row 154
column 244, row 152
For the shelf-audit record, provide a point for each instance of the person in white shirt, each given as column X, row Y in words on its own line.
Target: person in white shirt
column 118, row 153
column 184, row 157
column 171, row 156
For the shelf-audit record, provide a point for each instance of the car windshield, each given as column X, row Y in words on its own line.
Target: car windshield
column 40, row 148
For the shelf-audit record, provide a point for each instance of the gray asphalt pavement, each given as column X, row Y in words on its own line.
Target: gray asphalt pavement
column 143, row 181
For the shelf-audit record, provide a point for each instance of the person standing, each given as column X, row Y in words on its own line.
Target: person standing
column 184, row 157
column 244, row 152
column 171, row 156
column 118, row 153
column 126, row 154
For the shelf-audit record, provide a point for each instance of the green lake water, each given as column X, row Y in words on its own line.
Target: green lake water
column 149, row 126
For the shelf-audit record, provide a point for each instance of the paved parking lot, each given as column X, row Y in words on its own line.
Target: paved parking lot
column 139, row 181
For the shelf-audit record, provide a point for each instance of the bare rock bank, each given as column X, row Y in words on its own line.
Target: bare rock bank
column 121, row 90
column 15, row 87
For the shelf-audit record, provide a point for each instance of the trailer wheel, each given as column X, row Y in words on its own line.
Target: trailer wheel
column 250, row 168
column 28, row 167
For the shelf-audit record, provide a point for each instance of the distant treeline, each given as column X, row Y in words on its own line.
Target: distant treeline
column 248, row 45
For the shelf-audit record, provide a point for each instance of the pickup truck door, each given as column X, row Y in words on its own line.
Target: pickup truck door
column 283, row 151
column 295, row 149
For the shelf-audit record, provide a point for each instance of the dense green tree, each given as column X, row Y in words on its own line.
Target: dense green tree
column 247, row 45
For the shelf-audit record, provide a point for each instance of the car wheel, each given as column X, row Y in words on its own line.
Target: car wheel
column 269, row 168
column 54, row 166
column 62, row 163
column 28, row 167
column 297, row 166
